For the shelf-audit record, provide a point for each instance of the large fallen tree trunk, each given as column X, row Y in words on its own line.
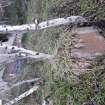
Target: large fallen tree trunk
column 27, row 93
column 42, row 25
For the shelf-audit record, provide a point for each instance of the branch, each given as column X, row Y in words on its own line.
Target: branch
column 42, row 25
column 10, row 53
column 27, row 93
column 25, row 81
column 21, row 83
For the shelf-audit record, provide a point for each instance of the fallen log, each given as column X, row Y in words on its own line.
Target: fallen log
column 79, row 20
column 42, row 25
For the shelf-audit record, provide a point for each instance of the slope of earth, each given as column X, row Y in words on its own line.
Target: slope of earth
column 62, row 86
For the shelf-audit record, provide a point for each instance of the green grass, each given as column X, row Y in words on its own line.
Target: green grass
column 85, row 90
column 87, row 6
column 60, row 81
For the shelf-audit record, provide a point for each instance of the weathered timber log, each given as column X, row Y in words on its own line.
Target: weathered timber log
column 42, row 25
column 80, row 21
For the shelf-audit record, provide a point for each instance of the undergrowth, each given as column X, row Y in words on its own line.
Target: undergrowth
column 61, row 84
column 87, row 89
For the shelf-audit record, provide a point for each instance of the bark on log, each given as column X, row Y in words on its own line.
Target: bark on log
column 27, row 93
column 42, row 25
